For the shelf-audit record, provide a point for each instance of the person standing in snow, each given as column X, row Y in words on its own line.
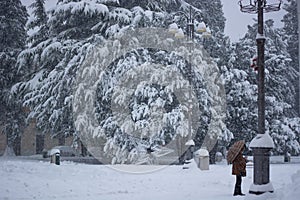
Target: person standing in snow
column 239, row 169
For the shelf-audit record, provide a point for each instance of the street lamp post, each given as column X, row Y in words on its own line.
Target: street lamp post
column 262, row 144
column 190, row 37
column 190, row 31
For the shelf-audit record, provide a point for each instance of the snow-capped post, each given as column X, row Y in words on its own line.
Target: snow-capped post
column 189, row 154
column 287, row 157
column 262, row 144
column 55, row 156
column 190, row 16
column 202, row 158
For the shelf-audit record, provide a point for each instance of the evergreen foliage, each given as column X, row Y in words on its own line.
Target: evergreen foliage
column 153, row 116
column 291, row 37
column 38, row 24
column 290, row 20
column 60, row 41
column 12, row 40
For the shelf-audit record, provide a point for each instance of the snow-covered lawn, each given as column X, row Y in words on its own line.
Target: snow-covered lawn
column 31, row 179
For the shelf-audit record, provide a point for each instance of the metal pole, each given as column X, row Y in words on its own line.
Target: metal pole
column 260, row 40
column 190, row 37
column 190, row 29
column 261, row 155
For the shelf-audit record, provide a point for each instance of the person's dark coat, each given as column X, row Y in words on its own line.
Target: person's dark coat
column 239, row 165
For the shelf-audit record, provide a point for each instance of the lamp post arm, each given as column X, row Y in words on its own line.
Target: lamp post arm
column 182, row 13
column 198, row 14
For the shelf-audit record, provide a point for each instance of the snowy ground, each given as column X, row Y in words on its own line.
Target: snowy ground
column 31, row 179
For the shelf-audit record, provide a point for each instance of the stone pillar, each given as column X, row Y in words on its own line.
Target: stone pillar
column 28, row 140
column 261, row 165
column 261, row 146
column 50, row 142
column 69, row 141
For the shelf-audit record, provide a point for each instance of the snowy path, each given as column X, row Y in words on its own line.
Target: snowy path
column 27, row 179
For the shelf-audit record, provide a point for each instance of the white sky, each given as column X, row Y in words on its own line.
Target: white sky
column 236, row 21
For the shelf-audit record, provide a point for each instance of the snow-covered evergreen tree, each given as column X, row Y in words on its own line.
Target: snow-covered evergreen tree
column 290, row 31
column 149, row 113
column 241, row 98
column 14, row 16
column 153, row 5
column 290, row 28
column 240, row 91
column 51, row 63
column 13, row 36
column 12, row 39
column 29, row 60
column 38, row 24
column 285, row 133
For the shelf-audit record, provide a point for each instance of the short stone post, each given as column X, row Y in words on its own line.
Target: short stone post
column 202, row 158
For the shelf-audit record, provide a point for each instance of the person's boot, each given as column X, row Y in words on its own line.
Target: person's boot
column 240, row 192
column 236, row 191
